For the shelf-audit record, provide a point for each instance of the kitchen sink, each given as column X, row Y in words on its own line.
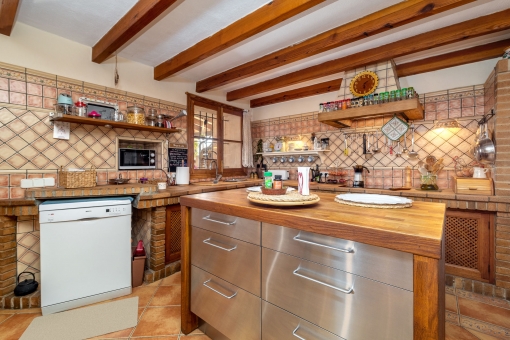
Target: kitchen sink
column 235, row 180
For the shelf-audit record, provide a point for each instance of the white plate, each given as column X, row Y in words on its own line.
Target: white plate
column 257, row 189
column 374, row 199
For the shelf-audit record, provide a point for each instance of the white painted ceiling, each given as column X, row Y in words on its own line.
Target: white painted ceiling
column 190, row 21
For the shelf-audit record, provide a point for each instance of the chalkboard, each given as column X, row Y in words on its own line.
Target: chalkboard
column 175, row 158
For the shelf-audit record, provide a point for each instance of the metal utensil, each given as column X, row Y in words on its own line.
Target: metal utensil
column 283, row 159
column 484, row 150
column 291, row 159
column 412, row 154
column 346, row 150
column 398, row 152
column 310, row 159
column 430, row 160
column 404, row 150
column 300, row 159
column 368, row 154
column 376, row 149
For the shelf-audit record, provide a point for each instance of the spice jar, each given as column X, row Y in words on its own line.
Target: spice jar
column 136, row 115
column 268, row 180
column 278, row 183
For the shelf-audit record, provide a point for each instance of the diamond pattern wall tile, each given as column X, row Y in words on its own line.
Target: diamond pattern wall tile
column 29, row 118
column 17, row 161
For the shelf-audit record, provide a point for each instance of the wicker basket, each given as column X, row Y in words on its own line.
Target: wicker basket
column 77, row 179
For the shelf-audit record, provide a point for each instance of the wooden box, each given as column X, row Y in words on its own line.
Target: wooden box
column 473, row 186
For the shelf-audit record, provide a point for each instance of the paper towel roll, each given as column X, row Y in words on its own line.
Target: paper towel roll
column 182, row 175
column 304, row 180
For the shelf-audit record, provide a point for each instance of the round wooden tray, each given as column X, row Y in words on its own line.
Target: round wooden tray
column 284, row 204
column 290, row 199
column 378, row 206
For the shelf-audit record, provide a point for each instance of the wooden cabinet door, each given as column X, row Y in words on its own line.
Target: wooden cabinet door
column 470, row 244
column 173, row 233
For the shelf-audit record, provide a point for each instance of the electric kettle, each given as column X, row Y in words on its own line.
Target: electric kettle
column 359, row 181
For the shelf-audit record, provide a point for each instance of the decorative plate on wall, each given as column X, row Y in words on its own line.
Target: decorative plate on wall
column 395, row 128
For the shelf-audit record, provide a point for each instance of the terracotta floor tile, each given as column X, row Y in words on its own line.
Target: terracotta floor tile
column 167, row 296
column 174, row 279
column 454, row 332
column 175, row 337
column 196, row 337
column 144, row 294
column 4, row 317
column 482, row 336
column 484, row 312
column 13, row 328
column 451, row 303
column 159, row 321
column 154, row 284
column 122, row 334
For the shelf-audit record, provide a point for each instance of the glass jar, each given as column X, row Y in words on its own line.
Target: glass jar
column 278, row 183
column 160, row 121
column 429, row 182
column 268, row 180
column 80, row 109
column 136, row 115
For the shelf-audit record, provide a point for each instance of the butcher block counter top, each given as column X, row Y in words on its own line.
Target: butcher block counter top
column 417, row 230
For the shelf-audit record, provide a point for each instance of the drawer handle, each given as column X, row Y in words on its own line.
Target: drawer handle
column 297, row 238
column 297, row 336
column 216, row 291
column 208, row 218
column 208, row 241
column 346, row 291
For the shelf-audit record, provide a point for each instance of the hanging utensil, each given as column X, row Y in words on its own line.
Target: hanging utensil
column 346, row 150
column 412, row 154
column 364, row 143
column 485, row 151
column 376, row 147
column 404, row 150
column 398, row 152
column 368, row 153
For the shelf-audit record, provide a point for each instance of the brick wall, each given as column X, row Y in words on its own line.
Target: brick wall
column 7, row 254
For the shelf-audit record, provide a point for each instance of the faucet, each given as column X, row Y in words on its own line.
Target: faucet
column 218, row 176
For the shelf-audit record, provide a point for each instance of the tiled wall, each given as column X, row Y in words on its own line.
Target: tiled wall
column 141, row 230
column 466, row 104
column 26, row 136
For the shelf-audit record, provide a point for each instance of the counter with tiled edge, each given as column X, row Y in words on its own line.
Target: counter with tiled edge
column 418, row 230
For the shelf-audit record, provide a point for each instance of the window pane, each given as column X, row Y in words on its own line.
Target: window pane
column 232, row 155
column 206, row 150
column 205, row 122
column 232, row 129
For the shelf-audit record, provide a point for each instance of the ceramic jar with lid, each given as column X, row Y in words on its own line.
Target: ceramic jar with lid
column 136, row 115
column 80, row 109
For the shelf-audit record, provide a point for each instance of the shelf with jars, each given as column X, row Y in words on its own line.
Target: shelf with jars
column 288, row 154
column 410, row 108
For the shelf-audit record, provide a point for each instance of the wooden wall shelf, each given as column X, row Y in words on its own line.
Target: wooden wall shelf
column 104, row 122
column 411, row 109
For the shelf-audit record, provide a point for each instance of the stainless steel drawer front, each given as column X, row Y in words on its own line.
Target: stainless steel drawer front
column 235, row 261
column 229, row 309
column 380, row 264
column 278, row 324
column 350, row 306
column 232, row 226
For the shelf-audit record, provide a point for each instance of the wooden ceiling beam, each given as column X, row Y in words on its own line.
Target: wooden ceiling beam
column 307, row 91
column 465, row 30
column 462, row 57
column 263, row 18
column 138, row 17
column 8, row 9
column 370, row 25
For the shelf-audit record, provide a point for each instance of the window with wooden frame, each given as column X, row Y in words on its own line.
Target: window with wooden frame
column 215, row 135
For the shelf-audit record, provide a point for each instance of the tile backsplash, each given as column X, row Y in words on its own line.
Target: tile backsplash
column 27, row 146
column 466, row 104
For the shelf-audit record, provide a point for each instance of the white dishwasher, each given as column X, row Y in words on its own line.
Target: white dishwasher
column 85, row 251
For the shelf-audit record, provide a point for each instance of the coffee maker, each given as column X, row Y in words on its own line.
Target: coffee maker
column 359, row 180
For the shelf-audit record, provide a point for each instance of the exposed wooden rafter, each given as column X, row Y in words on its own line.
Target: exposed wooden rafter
column 468, row 29
column 8, row 9
column 263, row 18
column 375, row 23
column 466, row 56
column 138, row 17
column 307, row 91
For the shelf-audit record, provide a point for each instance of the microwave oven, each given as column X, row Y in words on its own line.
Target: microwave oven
column 133, row 159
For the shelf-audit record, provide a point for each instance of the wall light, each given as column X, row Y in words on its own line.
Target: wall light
column 440, row 125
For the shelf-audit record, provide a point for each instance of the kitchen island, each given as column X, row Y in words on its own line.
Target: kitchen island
column 400, row 252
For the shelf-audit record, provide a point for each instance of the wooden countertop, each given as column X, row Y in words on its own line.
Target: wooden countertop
column 99, row 190
column 417, row 230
